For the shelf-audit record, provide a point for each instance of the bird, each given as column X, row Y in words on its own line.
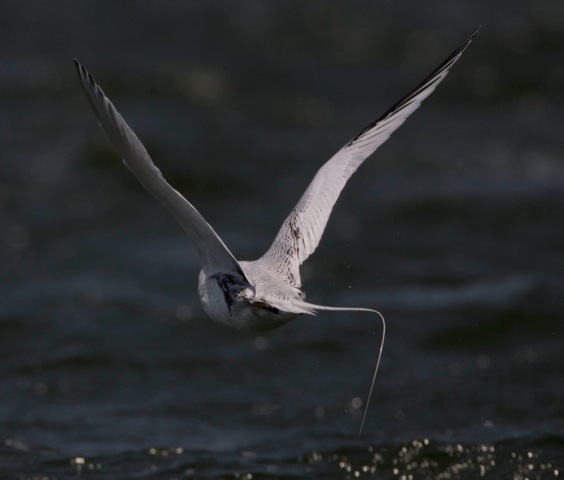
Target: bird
column 263, row 294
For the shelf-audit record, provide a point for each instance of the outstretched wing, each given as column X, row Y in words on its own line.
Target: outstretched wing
column 214, row 255
column 301, row 231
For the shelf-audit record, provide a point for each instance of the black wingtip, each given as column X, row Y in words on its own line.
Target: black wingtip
column 80, row 70
column 467, row 42
column 84, row 76
column 473, row 34
column 433, row 77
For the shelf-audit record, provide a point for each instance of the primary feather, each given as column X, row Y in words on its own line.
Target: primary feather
column 302, row 230
column 214, row 255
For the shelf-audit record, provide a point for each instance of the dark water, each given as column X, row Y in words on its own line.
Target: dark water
column 454, row 230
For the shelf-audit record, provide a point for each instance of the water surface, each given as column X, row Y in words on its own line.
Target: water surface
column 109, row 368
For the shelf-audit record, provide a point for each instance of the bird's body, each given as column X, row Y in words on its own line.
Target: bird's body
column 227, row 300
column 266, row 293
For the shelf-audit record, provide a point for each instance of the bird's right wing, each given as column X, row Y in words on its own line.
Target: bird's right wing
column 301, row 231
column 214, row 255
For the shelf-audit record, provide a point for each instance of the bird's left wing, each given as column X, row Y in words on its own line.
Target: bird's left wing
column 214, row 255
column 301, row 231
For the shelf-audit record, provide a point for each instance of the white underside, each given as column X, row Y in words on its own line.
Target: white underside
column 242, row 314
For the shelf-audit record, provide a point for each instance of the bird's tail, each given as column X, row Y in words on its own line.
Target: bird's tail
column 311, row 308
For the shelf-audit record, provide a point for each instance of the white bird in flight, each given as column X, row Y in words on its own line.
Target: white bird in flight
column 266, row 293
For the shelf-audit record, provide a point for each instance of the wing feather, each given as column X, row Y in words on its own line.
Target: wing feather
column 214, row 255
column 302, row 230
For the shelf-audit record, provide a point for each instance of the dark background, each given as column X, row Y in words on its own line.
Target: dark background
column 108, row 366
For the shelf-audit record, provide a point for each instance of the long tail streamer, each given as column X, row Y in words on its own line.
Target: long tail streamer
column 358, row 309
